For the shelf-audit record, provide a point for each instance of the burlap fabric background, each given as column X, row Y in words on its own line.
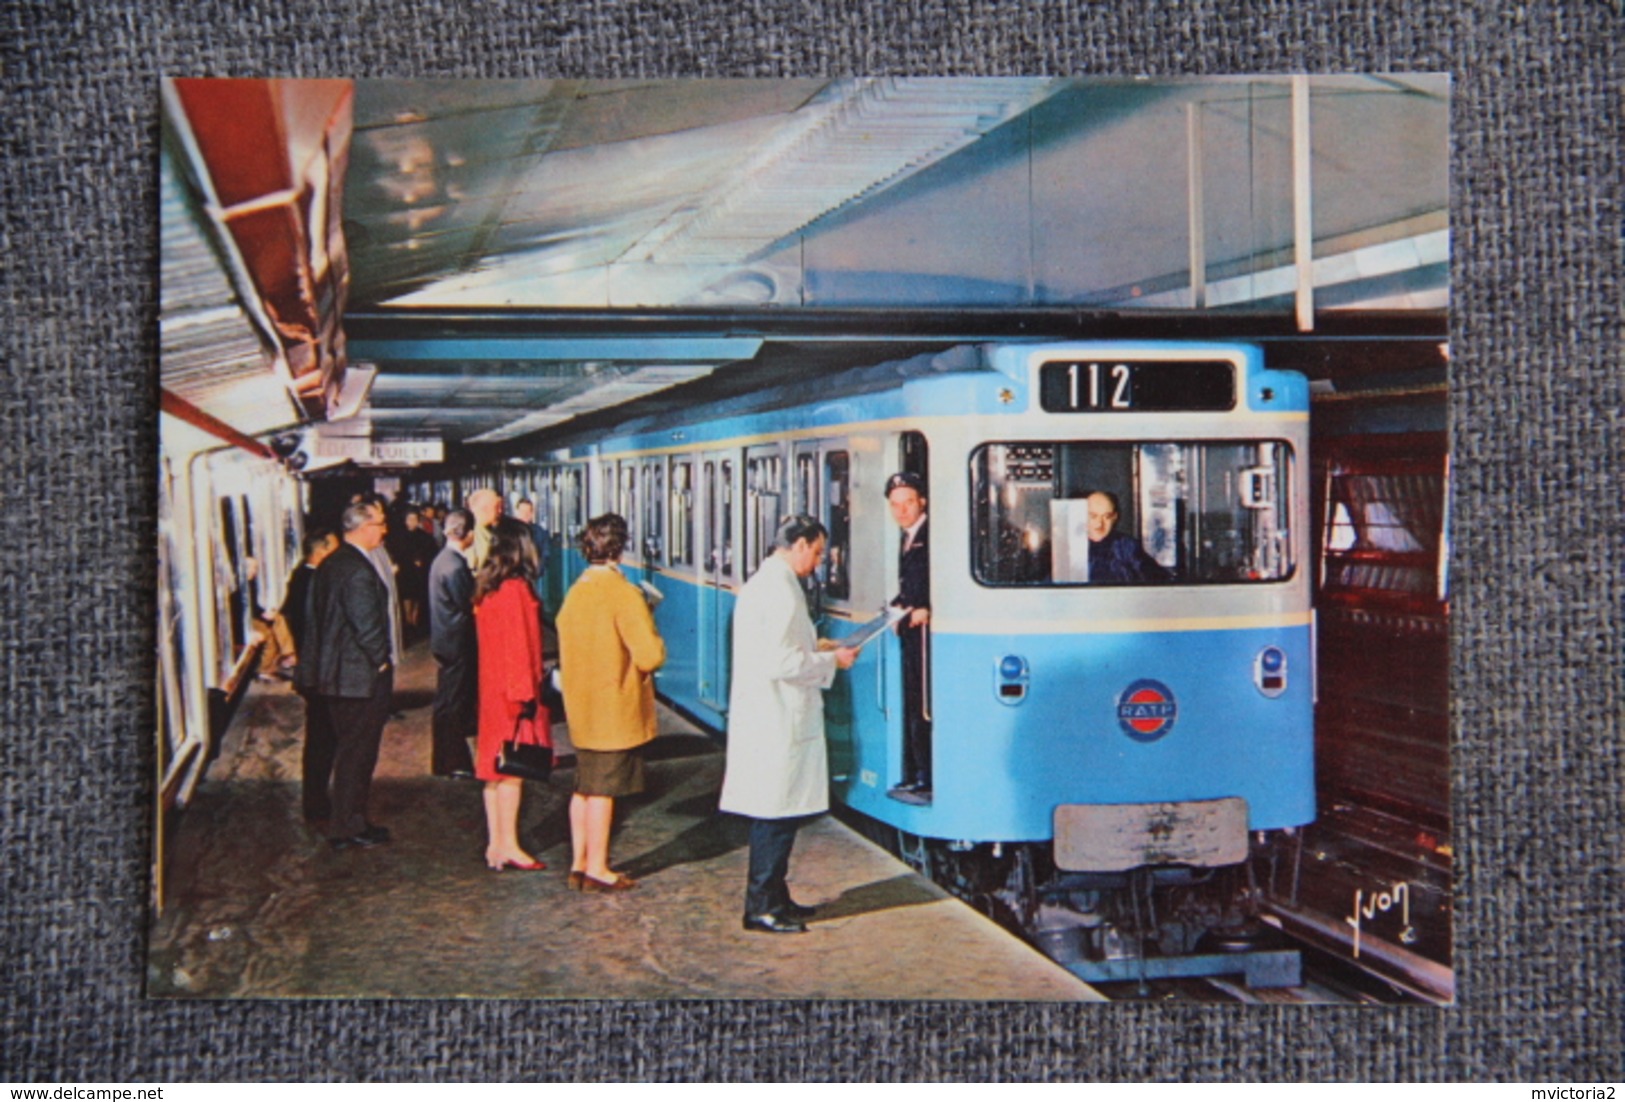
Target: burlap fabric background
column 1536, row 432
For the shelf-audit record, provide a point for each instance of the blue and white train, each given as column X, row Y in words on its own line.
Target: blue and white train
column 1086, row 735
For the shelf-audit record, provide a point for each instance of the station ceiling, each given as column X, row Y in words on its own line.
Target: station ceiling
column 523, row 254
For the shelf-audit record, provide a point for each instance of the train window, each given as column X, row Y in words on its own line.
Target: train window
column 654, row 504
column 1186, row 513
column 727, row 514
column 682, row 513
column 231, row 578
column 629, row 505
column 719, row 517
column 575, row 494
column 710, row 517
column 806, row 484
column 838, row 519
column 912, row 454
column 175, row 596
column 763, row 504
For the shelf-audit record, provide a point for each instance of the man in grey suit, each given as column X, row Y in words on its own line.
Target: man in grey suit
column 452, row 641
column 348, row 669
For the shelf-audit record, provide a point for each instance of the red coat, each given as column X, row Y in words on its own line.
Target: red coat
column 508, row 624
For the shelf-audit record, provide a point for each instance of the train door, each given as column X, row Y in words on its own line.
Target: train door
column 910, row 756
column 678, row 615
column 764, row 503
column 717, row 574
column 831, row 502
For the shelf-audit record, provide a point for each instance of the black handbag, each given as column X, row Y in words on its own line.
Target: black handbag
column 520, row 756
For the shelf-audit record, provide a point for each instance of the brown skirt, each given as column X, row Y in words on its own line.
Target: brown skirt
column 609, row 772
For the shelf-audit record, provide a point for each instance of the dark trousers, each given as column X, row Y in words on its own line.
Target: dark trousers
column 916, row 728
column 358, row 726
column 770, row 843
column 455, row 715
column 316, row 769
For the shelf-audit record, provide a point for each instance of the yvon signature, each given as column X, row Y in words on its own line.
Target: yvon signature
column 1366, row 907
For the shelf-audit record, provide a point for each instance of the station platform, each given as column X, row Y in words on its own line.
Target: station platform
column 258, row 905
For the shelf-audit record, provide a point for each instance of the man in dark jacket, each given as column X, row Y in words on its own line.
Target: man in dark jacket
column 346, row 668
column 905, row 495
column 1114, row 557
column 318, row 751
column 452, row 641
column 525, row 511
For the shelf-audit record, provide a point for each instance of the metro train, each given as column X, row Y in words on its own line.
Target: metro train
column 1108, row 758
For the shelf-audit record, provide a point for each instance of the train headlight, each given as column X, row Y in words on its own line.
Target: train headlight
column 1010, row 679
column 1269, row 671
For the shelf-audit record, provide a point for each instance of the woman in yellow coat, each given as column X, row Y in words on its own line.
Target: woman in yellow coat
column 608, row 652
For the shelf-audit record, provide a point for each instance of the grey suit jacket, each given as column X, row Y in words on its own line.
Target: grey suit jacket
column 451, row 606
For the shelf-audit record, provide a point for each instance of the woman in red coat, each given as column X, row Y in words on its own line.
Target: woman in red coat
column 507, row 620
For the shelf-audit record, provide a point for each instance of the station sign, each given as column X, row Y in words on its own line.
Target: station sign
column 408, row 451
column 378, row 452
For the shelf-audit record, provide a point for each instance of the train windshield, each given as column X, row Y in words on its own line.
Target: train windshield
column 1177, row 513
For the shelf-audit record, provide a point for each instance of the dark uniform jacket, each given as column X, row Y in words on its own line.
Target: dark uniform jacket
column 539, row 537
column 297, row 601
column 1120, row 558
column 451, row 611
column 914, row 573
column 346, row 644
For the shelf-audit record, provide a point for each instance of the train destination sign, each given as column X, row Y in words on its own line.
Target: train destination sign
column 1136, row 386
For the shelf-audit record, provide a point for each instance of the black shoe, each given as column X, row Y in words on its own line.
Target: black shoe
column 372, row 836
column 773, row 924
column 796, row 912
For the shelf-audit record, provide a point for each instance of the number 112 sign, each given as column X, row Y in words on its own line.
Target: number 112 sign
column 1128, row 386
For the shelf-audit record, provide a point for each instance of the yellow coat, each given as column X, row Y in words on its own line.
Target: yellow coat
column 608, row 652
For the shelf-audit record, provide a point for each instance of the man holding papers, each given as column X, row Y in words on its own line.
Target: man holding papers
column 777, row 770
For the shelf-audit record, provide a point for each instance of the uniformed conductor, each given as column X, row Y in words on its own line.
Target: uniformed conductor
column 905, row 493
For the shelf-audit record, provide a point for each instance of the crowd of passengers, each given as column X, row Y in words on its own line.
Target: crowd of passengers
column 470, row 580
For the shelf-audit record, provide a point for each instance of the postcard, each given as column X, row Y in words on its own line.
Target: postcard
column 588, row 407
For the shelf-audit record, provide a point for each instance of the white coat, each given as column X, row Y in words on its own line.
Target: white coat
column 777, row 766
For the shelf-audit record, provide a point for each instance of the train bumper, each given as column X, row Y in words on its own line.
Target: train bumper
column 1118, row 837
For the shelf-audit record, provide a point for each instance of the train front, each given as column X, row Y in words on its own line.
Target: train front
column 1121, row 661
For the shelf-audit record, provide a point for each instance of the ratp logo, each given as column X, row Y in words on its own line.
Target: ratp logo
column 1146, row 710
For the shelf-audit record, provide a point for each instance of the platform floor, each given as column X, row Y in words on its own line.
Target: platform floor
column 256, row 905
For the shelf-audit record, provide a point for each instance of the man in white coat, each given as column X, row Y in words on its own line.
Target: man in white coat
column 777, row 770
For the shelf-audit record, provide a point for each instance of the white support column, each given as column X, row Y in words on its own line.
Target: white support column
column 1193, row 202
column 1303, row 237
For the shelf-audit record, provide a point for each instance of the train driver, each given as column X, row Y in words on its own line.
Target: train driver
column 905, row 493
column 1114, row 557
